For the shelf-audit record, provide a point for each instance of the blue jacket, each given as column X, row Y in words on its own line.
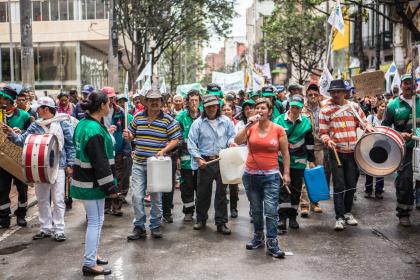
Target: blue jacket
column 78, row 113
column 122, row 146
column 67, row 155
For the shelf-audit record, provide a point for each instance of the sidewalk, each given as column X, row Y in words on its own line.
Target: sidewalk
column 14, row 197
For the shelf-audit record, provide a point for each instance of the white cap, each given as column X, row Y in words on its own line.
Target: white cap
column 44, row 101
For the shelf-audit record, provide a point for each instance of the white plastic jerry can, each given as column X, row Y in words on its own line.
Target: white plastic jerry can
column 232, row 164
column 159, row 174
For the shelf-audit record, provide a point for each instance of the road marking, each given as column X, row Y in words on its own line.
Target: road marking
column 15, row 228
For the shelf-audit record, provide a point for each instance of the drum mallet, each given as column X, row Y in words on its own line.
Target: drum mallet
column 212, row 161
column 285, row 186
column 337, row 157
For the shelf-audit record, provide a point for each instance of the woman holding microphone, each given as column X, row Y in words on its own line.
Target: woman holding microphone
column 93, row 175
column 262, row 177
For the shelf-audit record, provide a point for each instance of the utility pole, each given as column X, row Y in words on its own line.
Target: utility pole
column 12, row 64
column 378, row 38
column 113, row 48
column 26, row 49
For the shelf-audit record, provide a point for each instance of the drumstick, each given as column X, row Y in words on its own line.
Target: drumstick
column 126, row 114
column 336, row 157
column 213, row 161
column 286, row 186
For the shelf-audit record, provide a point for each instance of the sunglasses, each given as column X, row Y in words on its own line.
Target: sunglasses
column 313, row 95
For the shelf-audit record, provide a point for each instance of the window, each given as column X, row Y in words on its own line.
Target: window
column 63, row 10
column 54, row 10
column 36, row 11
column 71, row 12
column 46, row 10
column 3, row 12
column 100, row 9
column 90, row 7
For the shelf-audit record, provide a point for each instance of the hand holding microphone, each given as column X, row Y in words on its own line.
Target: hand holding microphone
column 252, row 120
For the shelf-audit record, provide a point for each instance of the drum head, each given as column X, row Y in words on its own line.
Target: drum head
column 378, row 154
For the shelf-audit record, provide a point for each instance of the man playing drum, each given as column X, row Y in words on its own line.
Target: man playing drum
column 51, row 217
column 338, row 121
column 399, row 114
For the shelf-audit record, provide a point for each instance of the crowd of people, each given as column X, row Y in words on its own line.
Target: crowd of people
column 105, row 140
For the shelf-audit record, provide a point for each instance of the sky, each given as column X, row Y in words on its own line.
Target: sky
column 238, row 28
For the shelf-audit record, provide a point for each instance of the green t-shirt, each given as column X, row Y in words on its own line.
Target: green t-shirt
column 19, row 119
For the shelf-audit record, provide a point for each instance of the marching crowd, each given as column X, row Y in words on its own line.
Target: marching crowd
column 104, row 152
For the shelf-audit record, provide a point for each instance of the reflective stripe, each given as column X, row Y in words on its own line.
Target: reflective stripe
column 295, row 206
column 285, row 205
column 82, row 164
column 186, row 157
column 111, row 161
column 300, row 160
column 310, row 147
column 5, row 206
column 404, row 206
column 106, row 180
column 189, row 204
column 297, row 145
column 22, row 204
column 84, row 185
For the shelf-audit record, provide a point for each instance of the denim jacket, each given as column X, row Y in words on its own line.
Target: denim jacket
column 67, row 155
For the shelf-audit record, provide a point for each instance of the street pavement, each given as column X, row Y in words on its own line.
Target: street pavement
column 376, row 249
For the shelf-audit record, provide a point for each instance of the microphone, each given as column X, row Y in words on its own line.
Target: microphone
column 257, row 118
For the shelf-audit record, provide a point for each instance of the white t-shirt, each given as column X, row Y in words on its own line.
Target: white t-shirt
column 108, row 118
column 213, row 124
column 409, row 101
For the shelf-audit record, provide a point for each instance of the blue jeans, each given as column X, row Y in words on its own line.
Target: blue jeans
column 139, row 186
column 95, row 218
column 263, row 195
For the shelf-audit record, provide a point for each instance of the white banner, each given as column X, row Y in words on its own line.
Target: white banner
column 390, row 72
column 324, row 82
column 336, row 18
column 229, row 82
column 264, row 70
column 257, row 81
column 147, row 71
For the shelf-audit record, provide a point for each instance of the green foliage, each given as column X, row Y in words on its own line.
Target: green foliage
column 296, row 34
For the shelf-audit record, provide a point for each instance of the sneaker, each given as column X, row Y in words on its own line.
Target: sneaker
column 199, row 225
column 405, row 221
column 316, row 208
column 168, row 219
column 20, row 221
column 304, row 211
column 273, row 248
column 223, row 229
column 293, row 223
column 350, row 220
column 41, row 235
column 339, row 224
column 156, row 233
column 60, row 237
column 188, row 217
column 256, row 242
column 137, row 233
column 234, row 213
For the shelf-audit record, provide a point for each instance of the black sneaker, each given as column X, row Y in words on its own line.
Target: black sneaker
column 137, row 234
column 234, row 213
column 293, row 223
column 156, row 233
column 41, row 235
column 59, row 237
column 256, row 242
column 199, row 225
column 168, row 219
column 20, row 221
column 223, row 229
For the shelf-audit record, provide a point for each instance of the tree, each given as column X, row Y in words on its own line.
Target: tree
column 297, row 35
column 150, row 27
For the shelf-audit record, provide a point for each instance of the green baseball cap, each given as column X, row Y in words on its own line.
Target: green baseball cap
column 248, row 102
column 406, row 77
column 297, row 100
column 268, row 91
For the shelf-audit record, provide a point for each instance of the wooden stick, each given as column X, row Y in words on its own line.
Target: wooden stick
column 213, row 161
column 336, row 157
column 126, row 114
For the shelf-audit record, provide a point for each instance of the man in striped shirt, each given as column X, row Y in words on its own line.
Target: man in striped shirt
column 153, row 133
column 338, row 122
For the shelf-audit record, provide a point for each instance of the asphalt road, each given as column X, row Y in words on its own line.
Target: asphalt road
column 376, row 249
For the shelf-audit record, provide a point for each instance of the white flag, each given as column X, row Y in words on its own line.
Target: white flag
column 147, row 71
column 390, row 72
column 324, row 82
column 163, row 90
column 267, row 71
column 258, row 81
column 126, row 90
column 336, row 18
column 396, row 82
column 147, row 86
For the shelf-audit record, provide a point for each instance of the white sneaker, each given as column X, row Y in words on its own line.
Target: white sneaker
column 339, row 224
column 350, row 220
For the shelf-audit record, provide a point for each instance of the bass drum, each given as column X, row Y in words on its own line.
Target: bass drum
column 40, row 158
column 380, row 153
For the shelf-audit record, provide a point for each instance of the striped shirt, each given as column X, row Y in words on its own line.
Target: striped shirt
column 151, row 138
column 339, row 124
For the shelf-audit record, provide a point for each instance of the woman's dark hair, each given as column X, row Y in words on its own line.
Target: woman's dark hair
column 243, row 117
column 94, row 101
column 63, row 94
column 231, row 105
column 193, row 92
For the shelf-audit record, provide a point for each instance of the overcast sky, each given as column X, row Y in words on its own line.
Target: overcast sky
column 238, row 28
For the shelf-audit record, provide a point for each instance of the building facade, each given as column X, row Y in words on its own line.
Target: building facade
column 70, row 43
